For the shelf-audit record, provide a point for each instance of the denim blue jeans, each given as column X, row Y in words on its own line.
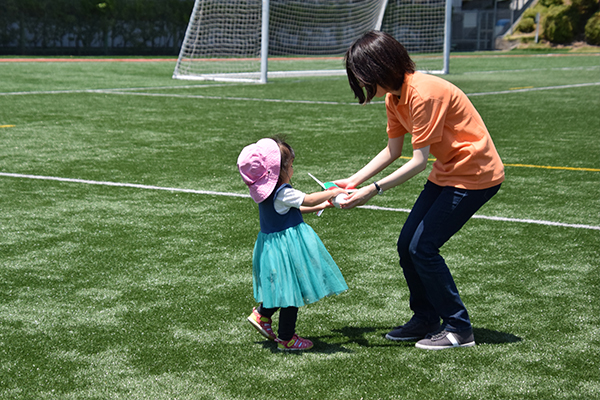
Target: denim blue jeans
column 437, row 215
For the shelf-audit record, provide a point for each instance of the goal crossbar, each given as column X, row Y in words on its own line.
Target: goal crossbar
column 254, row 40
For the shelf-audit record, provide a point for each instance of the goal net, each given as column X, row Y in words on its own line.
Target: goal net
column 250, row 40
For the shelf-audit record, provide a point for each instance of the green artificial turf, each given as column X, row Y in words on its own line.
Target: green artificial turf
column 138, row 293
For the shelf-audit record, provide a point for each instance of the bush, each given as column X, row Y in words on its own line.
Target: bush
column 592, row 30
column 532, row 12
column 585, row 8
column 551, row 3
column 581, row 11
column 526, row 25
column 558, row 25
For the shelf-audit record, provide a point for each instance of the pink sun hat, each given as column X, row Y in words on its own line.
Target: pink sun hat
column 259, row 165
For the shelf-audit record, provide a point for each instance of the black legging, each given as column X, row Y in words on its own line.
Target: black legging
column 287, row 320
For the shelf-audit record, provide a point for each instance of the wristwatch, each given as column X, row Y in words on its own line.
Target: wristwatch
column 379, row 189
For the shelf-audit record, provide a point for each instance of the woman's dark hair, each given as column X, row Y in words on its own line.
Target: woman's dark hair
column 376, row 59
column 287, row 157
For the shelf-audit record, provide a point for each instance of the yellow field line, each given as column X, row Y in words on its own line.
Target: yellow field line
column 408, row 158
column 535, row 166
column 7, row 126
column 552, row 167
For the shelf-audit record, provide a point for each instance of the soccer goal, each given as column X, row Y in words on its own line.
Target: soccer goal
column 253, row 40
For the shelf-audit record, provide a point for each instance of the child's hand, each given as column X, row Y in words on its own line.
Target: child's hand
column 339, row 195
column 337, row 190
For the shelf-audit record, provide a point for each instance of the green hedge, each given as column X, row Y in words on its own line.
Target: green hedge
column 93, row 26
column 526, row 25
column 592, row 30
column 558, row 25
column 561, row 23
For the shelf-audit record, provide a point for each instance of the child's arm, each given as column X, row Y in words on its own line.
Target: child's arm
column 316, row 198
column 317, row 208
column 317, row 201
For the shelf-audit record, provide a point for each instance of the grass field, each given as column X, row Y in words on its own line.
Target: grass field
column 126, row 237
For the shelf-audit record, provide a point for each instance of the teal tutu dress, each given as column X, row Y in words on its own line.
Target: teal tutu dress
column 291, row 266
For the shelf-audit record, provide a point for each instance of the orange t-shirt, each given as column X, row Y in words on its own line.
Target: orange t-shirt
column 438, row 114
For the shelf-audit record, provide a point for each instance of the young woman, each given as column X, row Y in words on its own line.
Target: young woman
column 466, row 174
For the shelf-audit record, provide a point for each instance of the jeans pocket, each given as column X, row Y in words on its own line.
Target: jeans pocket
column 458, row 196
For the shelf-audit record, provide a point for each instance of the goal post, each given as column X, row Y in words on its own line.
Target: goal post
column 254, row 40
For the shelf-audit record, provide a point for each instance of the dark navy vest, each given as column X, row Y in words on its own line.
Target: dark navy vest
column 271, row 221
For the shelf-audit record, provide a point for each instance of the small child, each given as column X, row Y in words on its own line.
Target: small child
column 290, row 265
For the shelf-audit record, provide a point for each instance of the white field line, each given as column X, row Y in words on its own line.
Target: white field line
column 576, row 85
column 214, row 193
column 110, row 90
column 587, row 68
column 184, row 96
column 504, row 219
column 131, row 92
column 118, row 184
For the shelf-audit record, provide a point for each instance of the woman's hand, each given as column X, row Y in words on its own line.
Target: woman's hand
column 345, row 183
column 360, row 197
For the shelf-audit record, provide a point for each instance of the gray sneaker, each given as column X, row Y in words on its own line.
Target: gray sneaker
column 447, row 340
column 412, row 330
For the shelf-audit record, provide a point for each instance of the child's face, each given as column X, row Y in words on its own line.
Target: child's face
column 285, row 175
column 290, row 171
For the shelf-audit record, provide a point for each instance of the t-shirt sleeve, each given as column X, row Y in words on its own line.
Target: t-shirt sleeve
column 428, row 116
column 286, row 198
column 394, row 128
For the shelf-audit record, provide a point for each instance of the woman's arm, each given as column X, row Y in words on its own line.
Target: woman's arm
column 392, row 151
column 415, row 165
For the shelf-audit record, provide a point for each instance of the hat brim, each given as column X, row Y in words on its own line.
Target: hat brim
column 263, row 187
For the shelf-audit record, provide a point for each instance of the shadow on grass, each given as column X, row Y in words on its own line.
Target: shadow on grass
column 482, row 336
column 320, row 346
column 357, row 336
column 340, row 338
column 488, row 336
column 330, row 344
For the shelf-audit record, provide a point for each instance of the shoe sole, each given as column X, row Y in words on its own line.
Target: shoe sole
column 259, row 328
column 283, row 348
column 427, row 347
